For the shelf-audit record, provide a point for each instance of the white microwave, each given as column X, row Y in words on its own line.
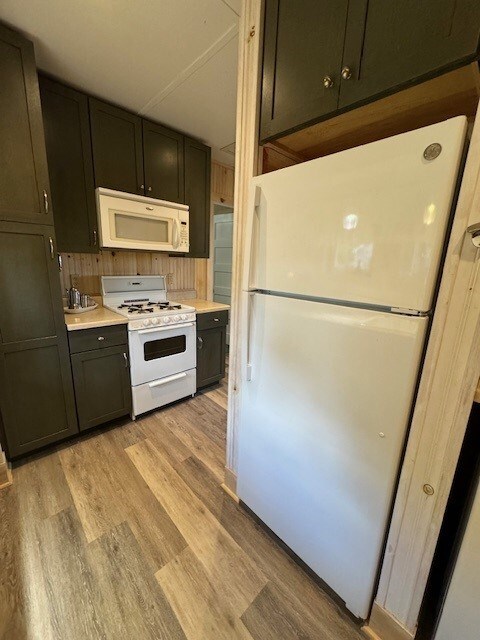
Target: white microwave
column 129, row 221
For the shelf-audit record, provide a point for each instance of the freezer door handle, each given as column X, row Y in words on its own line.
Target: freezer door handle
column 251, row 239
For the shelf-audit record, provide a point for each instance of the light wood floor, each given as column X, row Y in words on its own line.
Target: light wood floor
column 127, row 534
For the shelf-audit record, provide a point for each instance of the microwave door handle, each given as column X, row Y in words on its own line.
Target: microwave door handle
column 176, row 233
column 251, row 239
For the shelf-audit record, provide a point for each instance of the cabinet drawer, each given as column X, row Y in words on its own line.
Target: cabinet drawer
column 98, row 338
column 212, row 319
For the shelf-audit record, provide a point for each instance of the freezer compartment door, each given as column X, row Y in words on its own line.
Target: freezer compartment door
column 365, row 225
column 322, row 426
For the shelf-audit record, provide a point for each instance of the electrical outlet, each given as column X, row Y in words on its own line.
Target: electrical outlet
column 170, row 279
column 74, row 280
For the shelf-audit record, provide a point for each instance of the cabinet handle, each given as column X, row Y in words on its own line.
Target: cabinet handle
column 200, row 342
column 52, row 250
column 328, row 82
column 346, row 73
column 60, row 262
column 126, row 360
column 45, row 201
column 100, row 338
column 94, row 237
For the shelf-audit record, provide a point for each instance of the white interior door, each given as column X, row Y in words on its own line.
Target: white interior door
column 365, row 225
column 461, row 613
column 222, row 256
column 322, row 425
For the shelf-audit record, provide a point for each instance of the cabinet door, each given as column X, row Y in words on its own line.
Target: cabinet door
column 163, row 158
column 197, row 196
column 117, row 148
column 69, row 151
column 210, row 356
column 24, row 189
column 36, row 391
column 303, row 45
column 390, row 44
column 102, row 385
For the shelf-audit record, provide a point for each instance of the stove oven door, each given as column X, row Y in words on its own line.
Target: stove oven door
column 162, row 351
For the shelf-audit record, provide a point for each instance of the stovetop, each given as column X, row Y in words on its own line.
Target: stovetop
column 145, row 308
column 133, row 309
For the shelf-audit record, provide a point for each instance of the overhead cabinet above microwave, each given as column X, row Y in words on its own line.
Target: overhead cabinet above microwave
column 130, row 155
column 128, row 221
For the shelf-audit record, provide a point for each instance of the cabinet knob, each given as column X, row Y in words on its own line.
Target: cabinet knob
column 346, row 73
column 149, row 188
column 100, row 338
column 328, row 82
column 142, row 187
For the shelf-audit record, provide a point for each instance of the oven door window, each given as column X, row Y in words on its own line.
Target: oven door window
column 142, row 229
column 164, row 347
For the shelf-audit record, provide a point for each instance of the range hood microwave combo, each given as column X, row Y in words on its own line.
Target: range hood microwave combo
column 129, row 221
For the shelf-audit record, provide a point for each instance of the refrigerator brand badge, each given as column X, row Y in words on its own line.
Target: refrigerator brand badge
column 432, row 151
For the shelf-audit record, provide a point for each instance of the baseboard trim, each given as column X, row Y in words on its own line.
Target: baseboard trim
column 231, row 480
column 6, row 478
column 383, row 626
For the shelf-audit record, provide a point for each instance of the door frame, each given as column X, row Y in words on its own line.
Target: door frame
column 449, row 379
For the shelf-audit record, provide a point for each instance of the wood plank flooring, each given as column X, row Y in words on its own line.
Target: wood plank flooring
column 126, row 534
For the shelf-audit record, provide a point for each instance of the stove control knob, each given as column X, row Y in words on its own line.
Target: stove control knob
column 166, row 320
column 146, row 323
column 184, row 316
column 176, row 318
column 154, row 320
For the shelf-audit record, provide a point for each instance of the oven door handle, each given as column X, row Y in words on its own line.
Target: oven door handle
column 170, row 328
column 158, row 383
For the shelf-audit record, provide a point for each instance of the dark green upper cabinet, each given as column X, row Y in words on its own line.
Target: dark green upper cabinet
column 117, row 148
column 197, row 196
column 163, row 161
column 324, row 57
column 303, row 49
column 69, row 152
column 393, row 44
column 36, row 389
column 24, row 187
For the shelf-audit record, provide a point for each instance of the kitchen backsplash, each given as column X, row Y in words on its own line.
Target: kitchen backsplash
column 88, row 267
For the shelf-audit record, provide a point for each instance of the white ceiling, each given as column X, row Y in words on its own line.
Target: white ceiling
column 174, row 61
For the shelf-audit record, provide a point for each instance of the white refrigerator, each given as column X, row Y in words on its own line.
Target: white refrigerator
column 340, row 278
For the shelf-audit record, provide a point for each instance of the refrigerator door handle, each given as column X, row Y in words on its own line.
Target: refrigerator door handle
column 250, row 311
column 251, row 240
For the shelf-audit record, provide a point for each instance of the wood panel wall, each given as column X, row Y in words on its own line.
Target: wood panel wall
column 223, row 179
column 186, row 276
column 87, row 269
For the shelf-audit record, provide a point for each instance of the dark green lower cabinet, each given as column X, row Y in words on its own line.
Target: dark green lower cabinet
column 37, row 401
column 211, row 347
column 37, row 404
column 102, row 385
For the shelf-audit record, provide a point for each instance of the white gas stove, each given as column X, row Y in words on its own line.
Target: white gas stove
column 161, row 337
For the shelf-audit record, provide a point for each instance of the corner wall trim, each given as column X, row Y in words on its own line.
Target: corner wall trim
column 383, row 626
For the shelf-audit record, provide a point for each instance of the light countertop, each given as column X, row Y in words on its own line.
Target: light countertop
column 100, row 317
column 205, row 306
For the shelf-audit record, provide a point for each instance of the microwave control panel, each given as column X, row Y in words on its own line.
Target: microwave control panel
column 184, row 244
